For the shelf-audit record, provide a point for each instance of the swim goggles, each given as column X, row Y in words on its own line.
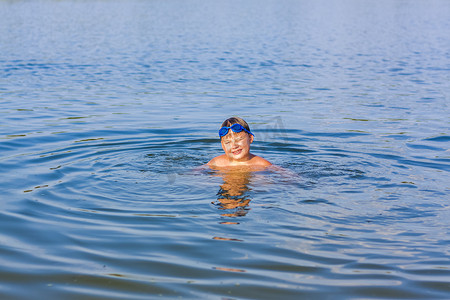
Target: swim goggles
column 235, row 127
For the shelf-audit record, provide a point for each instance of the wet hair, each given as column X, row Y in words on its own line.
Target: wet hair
column 235, row 120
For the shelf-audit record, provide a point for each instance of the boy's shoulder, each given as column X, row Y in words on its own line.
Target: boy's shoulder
column 259, row 161
column 218, row 161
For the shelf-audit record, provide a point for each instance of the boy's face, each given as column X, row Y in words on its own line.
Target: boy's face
column 237, row 145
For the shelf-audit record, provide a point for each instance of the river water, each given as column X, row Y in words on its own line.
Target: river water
column 109, row 108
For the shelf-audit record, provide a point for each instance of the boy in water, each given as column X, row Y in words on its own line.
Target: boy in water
column 236, row 137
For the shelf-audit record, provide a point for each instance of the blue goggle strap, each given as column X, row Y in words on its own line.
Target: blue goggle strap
column 239, row 129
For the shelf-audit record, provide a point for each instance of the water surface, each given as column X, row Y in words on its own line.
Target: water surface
column 108, row 108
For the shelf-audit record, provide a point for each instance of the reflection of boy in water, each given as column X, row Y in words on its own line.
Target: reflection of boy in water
column 236, row 137
column 233, row 192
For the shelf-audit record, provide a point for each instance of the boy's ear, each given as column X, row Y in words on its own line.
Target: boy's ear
column 251, row 138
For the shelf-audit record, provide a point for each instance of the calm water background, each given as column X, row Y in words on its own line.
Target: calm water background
column 107, row 108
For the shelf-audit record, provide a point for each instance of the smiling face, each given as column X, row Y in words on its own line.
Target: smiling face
column 237, row 146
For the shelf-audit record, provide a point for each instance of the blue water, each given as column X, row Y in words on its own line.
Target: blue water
column 108, row 108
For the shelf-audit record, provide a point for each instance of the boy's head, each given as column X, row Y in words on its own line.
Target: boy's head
column 236, row 137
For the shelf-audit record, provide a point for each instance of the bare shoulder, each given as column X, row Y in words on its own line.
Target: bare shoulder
column 217, row 161
column 259, row 161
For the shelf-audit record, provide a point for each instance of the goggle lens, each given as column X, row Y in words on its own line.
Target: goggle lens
column 223, row 131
